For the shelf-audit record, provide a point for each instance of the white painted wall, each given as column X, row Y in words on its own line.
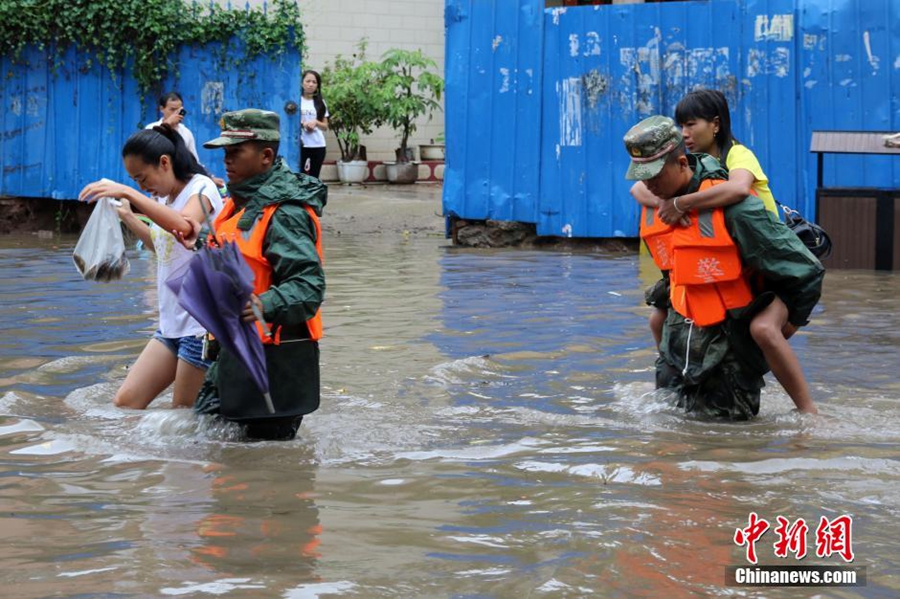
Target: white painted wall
column 335, row 26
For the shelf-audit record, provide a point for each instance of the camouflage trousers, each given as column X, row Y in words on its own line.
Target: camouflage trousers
column 727, row 392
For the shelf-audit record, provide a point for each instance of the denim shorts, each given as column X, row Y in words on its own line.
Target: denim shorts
column 189, row 349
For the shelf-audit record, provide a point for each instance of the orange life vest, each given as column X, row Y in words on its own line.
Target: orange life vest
column 658, row 237
column 251, row 245
column 705, row 271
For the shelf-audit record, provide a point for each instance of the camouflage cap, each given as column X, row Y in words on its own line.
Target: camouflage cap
column 649, row 143
column 250, row 124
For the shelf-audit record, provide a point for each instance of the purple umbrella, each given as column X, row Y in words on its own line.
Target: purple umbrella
column 214, row 290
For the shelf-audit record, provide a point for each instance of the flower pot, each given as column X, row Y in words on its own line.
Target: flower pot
column 431, row 151
column 401, row 172
column 355, row 171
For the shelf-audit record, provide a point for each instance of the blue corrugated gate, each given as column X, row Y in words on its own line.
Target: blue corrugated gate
column 584, row 75
column 850, row 80
column 493, row 108
column 62, row 130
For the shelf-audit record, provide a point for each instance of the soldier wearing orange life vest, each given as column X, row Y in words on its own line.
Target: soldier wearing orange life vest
column 721, row 270
column 273, row 216
column 705, row 270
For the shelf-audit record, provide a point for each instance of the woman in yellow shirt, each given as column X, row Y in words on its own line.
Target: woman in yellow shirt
column 706, row 127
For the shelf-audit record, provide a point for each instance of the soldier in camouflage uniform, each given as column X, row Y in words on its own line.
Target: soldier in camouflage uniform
column 273, row 217
column 718, row 370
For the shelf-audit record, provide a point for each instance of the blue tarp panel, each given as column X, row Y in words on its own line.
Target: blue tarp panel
column 606, row 68
column 788, row 67
column 492, row 112
column 849, row 78
column 624, row 63
column 59, row 131
column 765, row 111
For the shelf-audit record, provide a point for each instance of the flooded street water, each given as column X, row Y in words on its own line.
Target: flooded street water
column 487, row 430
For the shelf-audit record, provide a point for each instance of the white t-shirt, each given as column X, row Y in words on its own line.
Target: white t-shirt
column 315, row 138
column 185, row 134
column 172, row 259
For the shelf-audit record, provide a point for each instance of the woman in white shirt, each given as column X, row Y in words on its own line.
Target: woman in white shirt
column 159, row 162
column 313, row 124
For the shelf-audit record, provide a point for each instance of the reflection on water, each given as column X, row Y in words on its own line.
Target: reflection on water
column 488, row 429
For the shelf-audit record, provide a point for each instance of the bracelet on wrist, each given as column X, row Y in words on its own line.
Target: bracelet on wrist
column 675, row 203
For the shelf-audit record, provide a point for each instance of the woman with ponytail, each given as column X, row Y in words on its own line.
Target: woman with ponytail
column 313, row 124
column 180, row 192
column 705, row 122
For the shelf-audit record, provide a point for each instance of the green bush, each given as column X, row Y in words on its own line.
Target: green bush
column 408, row 91
column 350, row 88
column 145, row 34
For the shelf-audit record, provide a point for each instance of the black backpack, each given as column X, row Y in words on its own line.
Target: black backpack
column 812, row 235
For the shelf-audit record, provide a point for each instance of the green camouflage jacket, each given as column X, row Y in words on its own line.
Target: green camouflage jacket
column 290, row 247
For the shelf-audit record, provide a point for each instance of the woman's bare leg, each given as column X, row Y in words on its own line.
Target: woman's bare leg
column 149, row 376
column 767, row 330
column 188, row 380
column 657, row 319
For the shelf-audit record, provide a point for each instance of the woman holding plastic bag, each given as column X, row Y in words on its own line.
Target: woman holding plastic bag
column 180, row 190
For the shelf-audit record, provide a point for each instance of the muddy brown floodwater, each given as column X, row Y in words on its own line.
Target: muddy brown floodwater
column 488, row 429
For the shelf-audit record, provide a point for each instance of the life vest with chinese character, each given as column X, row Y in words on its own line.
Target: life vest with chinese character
column 251, row 243
column 705, row 271
column 657, row 235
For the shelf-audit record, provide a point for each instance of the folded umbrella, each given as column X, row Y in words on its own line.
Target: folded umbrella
column 214, row 289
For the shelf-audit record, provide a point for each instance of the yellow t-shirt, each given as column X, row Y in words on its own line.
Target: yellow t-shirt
column 741, row 157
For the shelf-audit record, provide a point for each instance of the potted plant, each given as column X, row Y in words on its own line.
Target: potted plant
column 409, row 90
column 355, row 110
column 433, row 150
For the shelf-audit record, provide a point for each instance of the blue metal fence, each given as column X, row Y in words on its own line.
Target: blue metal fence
column 60, row 130
column 850, row 80
column 493, row 114
column 788, row 67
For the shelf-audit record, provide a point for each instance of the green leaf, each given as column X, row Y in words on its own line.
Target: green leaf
column 148, row 31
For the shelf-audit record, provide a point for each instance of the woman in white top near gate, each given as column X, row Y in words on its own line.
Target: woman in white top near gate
column 313, row 125
column 180, row 189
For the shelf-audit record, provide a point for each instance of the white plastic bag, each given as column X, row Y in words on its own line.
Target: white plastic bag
column 100, row 252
